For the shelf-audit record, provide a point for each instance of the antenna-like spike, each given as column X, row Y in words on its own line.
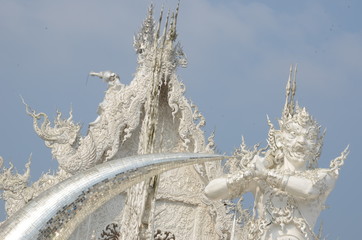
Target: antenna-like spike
column 146, row 34
column 294, row 85
column 289, row 84
column 172, row 22
column 166, row 27
column 172, row 32
column 176, row 13
column 289, row 107
column 290, row 73
column 159, row 25
column 150, row 10
column 295, row 78
column 286, row 110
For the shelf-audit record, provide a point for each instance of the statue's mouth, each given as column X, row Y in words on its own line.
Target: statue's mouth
column 299, row 148
column 299, row 152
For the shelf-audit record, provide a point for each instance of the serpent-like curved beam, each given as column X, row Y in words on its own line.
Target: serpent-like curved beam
column 56, row 213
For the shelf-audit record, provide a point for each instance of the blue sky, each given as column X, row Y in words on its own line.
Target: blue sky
column 239, row 53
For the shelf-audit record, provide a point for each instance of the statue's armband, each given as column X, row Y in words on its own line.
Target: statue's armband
column 239, row 183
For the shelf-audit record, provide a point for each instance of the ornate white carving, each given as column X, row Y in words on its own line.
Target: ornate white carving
column 14, row 186
column 289, row 189
column 17, row 190
column 150, row 115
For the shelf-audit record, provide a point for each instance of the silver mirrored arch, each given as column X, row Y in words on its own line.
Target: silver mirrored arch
column 57, row 212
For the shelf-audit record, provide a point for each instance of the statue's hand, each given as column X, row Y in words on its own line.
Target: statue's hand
column 260, row 169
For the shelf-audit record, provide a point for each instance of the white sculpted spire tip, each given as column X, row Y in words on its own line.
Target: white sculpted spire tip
column 289, row 107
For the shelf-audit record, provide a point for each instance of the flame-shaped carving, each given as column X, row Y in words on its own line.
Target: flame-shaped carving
column 14, row 186
column 73, row 152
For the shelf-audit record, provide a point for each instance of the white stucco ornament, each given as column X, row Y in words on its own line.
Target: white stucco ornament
column 148, row 127
column 288, row 187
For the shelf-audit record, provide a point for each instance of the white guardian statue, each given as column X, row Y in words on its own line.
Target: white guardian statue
column 289, row 189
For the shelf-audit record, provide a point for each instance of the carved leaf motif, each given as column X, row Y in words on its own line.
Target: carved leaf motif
column 111, row 232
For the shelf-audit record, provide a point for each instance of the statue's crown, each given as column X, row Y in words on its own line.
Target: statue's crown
column 292, row 113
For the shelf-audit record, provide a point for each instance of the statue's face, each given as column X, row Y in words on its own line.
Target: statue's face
column 299, row 144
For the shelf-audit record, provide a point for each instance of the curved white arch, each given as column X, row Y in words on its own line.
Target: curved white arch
column 66, row 204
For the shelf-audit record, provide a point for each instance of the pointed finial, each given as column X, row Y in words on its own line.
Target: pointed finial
column 173, row 34
column 289, row 106
column 146, row 35
column 150, row 9
column 294, row 88
column 166, row 26
column 177, row 10
column 159, row 25
column 295, row 78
